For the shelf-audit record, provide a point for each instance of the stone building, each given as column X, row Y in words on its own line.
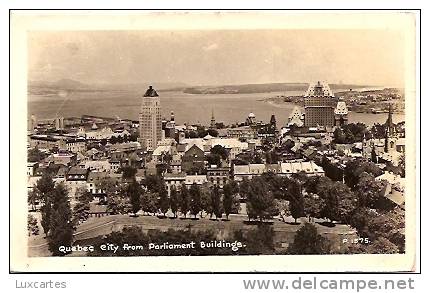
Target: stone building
column 319, row 105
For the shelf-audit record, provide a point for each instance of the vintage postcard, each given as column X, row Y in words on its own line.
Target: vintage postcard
column 213, row 141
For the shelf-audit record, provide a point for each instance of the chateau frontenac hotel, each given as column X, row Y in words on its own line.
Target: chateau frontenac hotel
column 322, row 108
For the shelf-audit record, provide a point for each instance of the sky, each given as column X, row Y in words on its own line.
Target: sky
column 368, row 57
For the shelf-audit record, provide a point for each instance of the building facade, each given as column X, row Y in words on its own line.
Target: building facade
column 341, row 114
column 150, row 120
column 319, row 105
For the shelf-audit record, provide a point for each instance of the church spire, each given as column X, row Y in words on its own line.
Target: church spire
column 213, row 119
column 390, row 130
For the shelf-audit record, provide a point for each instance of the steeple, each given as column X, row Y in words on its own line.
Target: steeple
column 213, row 119
column 172, row 116
column 390, row 132
column 389, row 124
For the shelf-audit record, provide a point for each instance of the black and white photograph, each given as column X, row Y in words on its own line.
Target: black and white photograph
column 228, row 134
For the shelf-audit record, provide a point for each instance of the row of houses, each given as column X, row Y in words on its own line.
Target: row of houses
column 219, row 176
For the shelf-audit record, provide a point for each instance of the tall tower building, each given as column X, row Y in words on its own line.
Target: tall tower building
column 150, row 120
column 390, row 133
column 319, row 105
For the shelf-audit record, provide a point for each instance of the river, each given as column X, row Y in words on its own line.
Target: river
column 188, row 108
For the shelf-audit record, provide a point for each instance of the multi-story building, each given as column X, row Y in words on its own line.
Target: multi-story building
column 193, row 160
column 241, row 172
column 319, row 105
column 218, row 175
column 174, row 181
column 243, row 132
column 150, row 120
column 76, row 145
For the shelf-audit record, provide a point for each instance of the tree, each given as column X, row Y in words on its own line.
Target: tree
column 347, row 201
column 296, row 203
column 117, row 201
column 45, row 188
column 107, row 185
column 184, row 200
column 32, row 227
column 355, row 168
column 213, row 132
column 216, row 202
column 134, row 192
column 113, row 140
column 206, row 201
column 339, row 200
column 276, row 184
column 217, row 154
column 163, row 200
column 308, row 241
column 382, row 227
column 219, row 150
column 153, row 183
column 283, row 207
column 360, row 220
column 390, row 226
column 201, row 131
column 331, row 171
column 374, row 157
column 230, row 201
column 312, row 206
column 260, row 202
column 174, row 201
column 369, row 190
column 244, row 188
column 61, row 226
column 349, row 133
column 82, row 207
column 129, row 172
column 339, row 136
column 213, row 159
column 195, row 200
column 149, row 202
column 33, row 198
column 378, row 130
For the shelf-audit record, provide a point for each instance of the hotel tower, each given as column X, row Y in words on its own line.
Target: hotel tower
column 319, row 105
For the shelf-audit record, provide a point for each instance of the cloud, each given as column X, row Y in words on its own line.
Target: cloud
column 211, row 47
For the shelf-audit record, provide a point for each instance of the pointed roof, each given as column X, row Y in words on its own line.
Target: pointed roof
column 150, row 92
column 295, row 117
column 319, row 89
column 341, row 108
column 390, row 130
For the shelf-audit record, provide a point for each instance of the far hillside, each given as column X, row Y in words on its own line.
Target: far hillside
column 261, row 88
